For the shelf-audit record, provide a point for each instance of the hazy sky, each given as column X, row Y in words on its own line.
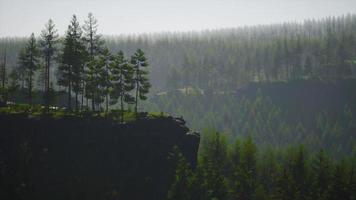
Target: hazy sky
column 21, row 17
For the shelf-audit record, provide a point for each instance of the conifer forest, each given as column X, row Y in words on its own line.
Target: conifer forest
column 155, row 104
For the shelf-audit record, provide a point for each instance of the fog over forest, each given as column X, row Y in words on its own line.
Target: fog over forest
column 139, row 16
column 178, row 100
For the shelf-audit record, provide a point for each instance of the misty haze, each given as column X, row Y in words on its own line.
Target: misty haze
column 178, row 99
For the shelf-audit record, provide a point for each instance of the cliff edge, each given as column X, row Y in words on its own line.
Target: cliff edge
column 89, row 158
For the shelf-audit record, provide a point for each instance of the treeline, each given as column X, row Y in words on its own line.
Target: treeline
column 240, row 171
column 229, row 58
column 85, row 68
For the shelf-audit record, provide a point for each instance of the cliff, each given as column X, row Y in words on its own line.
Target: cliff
column 89, row 158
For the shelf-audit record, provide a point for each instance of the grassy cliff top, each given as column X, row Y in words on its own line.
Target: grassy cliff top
column 38, row 111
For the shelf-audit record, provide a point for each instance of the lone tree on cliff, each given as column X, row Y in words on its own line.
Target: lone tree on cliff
column 140, row 79
column 49, row 39
column 29, row 59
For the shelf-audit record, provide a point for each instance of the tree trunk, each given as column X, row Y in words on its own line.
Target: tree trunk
column 47, row 83
column 82, row 103
column 69, row 96
column 137, row 87
column 93, row 104
column 122, row 107
column 107, row 102
column 30, row 89
column 76, row 101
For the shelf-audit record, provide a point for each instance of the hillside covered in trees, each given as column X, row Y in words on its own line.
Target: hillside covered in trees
column 276, row 106
column 230, row 58
column 318, row 114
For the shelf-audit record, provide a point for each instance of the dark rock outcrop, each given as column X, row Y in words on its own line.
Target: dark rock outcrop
column 87, row 158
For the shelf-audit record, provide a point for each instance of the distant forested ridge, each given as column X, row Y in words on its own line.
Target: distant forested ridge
column 281, row 84
column 229, row 58
column 318, row 114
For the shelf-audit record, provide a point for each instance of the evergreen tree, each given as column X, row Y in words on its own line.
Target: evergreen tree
column 93, row 43
column 181, row 187
column 322, row 171
column 49, row 39
column 3, row 89
column 121, row 78
column 214, row 165
column 339, row 186
column 29, row 59
column 248, row 169
column 268, row 173
column 105, row 85
column 72, row 61
column 142, row 85
column 93, row 82
column 235, row 174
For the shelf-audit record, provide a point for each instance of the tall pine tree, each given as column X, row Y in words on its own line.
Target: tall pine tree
column 73, row 58
column 49, row 39
column 142, row 85
column 29, row 59
column 122, row 84
column 94, row 44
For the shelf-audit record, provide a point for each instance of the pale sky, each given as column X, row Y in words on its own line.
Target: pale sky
column 22, row 17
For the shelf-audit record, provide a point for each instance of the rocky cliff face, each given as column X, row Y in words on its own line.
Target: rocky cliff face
column 87, row 158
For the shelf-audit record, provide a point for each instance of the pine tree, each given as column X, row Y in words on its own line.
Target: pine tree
column 72, row 61
column 21, row 67
column 235, row 174
column 105, row 85
column 3, row 89
column 248, row 169
column 93, row 81
column 94, row 44
column 321, row 169
column 214, row 165
column 29, row 59
column 121, row 78
column 49, row 39
column 181, row 186
column 142, row 85
column 3, row 70
column 339, row 187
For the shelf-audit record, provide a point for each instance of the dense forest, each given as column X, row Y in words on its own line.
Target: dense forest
column 241, row 171
column 319, row 114
column 203, row 75
column 230, row 58
column 281, row 96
